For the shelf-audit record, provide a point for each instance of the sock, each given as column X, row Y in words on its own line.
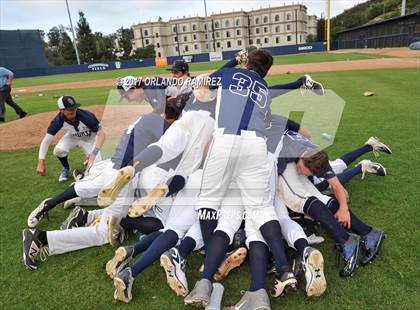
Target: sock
column 357, row 225
column 164, row 242
column 215, row 253
column 207, row 225
column 349, row 174
column 271, row 232
column 68, row 193
column 145, row 242
column 186, row 246
column 43, row 238
column 351, row 156
column 278, row 90
column 320, row 213
column 300, row 245
column 144, row 225
column 258, row 261
column 64, row 161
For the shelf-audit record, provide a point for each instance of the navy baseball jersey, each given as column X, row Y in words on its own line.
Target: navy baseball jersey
column 139, row 135
column 294, row 145
column 243, row 101
column 83, row 126
column 278, row 126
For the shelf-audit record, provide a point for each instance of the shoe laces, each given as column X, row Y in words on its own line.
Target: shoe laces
column 44, row 253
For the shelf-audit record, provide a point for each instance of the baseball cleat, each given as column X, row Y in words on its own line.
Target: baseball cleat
column 144, row 204
column 77, row 175
column 232, row 260
column 200, row 295
column 378, row 146
column 36, row 215
column 174, row 265
column 31, row 247
column 314, row 239
column 64, row 175
column 76, row 218
column 123, row 255
column 350, row 253
column 371, row 167
column 254, row 300
column 115, row 231
column 109, row 192
column 71, row 202
column 309, row 83
column 372, row 243
column 313, row 266
column 123, row 283
column 239, row 239
column 284, row 284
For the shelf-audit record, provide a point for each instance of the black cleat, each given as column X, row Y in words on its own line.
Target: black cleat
column 76, row 218
column 350, row 253
column 31, row 247
column 372, row 243
column 284, row 283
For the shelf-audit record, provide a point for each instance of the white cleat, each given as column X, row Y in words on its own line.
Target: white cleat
column 371, row 167
column 109, row 192
column 37, row 214
column 378, row 146
column 174, row 266
column 313, row 266
column 309, row 83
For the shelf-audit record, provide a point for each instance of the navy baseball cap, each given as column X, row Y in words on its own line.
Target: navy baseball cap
column 179, row 65
column 67, row 102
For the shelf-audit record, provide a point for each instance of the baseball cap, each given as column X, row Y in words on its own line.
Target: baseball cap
column 179, row 65
column 67, row 102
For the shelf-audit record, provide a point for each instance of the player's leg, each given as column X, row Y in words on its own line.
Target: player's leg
column 2, row 107
column 61, row 150
column 14, row 105
column 372, row 144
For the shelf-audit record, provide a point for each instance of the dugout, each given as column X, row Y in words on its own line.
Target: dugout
column 22, row 50
column 394, row 32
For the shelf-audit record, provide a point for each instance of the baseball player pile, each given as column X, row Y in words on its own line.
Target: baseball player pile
column 210, row 169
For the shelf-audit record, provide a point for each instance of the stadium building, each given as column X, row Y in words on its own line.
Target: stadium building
column 268, row 27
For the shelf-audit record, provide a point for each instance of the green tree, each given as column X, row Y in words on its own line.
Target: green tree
column 66, row 50
column 145, row 52
column 320, row 30
column 86, row 40
column 104, row 47
column 125, row 35
column 54, row 37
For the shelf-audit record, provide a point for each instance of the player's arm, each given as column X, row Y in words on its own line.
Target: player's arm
column 43, row 150
column 343, row 214
column 281, row 89
column 99, row 142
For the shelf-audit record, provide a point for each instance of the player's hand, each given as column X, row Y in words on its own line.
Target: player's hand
column 90, row 159
column 40, row 169
column 343, row 217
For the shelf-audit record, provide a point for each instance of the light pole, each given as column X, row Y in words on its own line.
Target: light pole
column 328, row 24
column 72, row 32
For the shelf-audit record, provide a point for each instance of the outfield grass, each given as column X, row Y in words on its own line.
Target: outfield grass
column 78, row 280
column 202, row 66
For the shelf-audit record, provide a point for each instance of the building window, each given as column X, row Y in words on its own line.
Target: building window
column 194, row 27
column 277, row 28
column 289, row 38
column 288, row 16
column 216, row 24
column 265, row 19
column 196, row 46
column 184, row 28
column 238, row 22
column 186, row 48
column 159, row 55
column 174, row 29
column 157, row 45
column 258, row 41
column 277, row 18
column 185, row 39
column 238, row 32
column 147, row 42
column 176, row 39
column 265, row 29
column 194, row 37
column 251, row 42
column 205, row 26
column 217, row 34
column 239, row 42
column 206, row 36
column 176, row 49
column 288, row 27
column 218, row 44
column 227, row 34
column 265, row 40
column 227, row 24
column 228, row 44
column 277, row 40
column 257, row 20
column 257, row 30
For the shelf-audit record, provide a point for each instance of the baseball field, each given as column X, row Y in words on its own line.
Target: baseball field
column 78, row 280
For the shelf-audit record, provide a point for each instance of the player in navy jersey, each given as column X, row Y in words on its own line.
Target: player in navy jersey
column 82, row 129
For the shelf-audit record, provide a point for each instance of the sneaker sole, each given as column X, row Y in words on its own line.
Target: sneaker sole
column 111, row 223
column 232, row 261
column 144, row 204
column 35, row 222
column 111, row 265
column 109, row 192
column 289, row 288
column 318, row 284
column 197, row 302
column 119, row 291
column 172, row 280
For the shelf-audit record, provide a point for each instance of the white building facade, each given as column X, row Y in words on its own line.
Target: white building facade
column 268, row 27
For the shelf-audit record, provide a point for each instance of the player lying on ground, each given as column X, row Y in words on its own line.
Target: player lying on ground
column 82, row 129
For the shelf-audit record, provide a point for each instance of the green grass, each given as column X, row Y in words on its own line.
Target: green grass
column 153, row 71
column 78, row 281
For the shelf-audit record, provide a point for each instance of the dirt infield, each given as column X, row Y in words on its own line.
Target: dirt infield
column 28, row 132
column 402, row 52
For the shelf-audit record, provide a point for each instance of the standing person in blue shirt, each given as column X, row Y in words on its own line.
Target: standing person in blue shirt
column 6, row 79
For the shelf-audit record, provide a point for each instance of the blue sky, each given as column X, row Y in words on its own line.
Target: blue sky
column 108, row 15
